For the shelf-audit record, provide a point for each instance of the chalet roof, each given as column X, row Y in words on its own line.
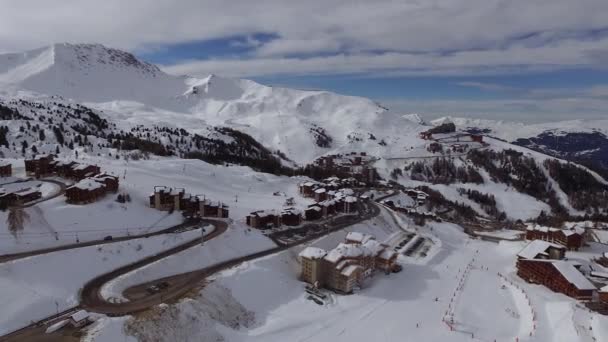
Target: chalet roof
column 24, row 192
column 264, row 213
column 349, row 270
column 88, row 184
column 320, row 191
column 315, row 208
column 42, row 156
column 312, row 253
column 343, row 250
column 105, row 176
column 373, row 246
column 574, row 276
column 80, row 315
column 599, row 274
column 351, row 199
column 387, row 254
column 290, row 211
column 537, row 247
column 82, row 166
column 358, row 237
column 604, row 289
column 4, row 164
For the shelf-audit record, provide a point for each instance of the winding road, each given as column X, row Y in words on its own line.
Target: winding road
column 140, row 300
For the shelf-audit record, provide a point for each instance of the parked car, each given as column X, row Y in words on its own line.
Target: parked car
column 108, row 238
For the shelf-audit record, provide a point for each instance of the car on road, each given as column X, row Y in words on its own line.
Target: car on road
column 108, row 238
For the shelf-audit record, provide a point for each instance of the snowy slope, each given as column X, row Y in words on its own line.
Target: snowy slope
column 282, row 119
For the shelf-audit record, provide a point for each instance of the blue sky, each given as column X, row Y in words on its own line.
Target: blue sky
column 526, row 60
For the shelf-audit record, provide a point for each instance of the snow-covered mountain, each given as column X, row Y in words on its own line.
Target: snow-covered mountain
column 301, row 124
column 583, row 141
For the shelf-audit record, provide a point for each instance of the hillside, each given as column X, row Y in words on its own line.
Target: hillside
column 582, row 141
column 302, row 124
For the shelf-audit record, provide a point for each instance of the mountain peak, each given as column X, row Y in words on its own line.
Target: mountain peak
column 84, row 56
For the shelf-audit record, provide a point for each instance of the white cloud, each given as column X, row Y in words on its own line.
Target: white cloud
column 446, row 37
column 517, row 110
column 569, row 54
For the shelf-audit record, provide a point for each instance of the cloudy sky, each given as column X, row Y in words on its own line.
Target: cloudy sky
column 533, row 60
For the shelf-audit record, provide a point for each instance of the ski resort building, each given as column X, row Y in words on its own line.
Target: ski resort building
column 91, row 189
column 212, row 209
column 313, row 212
column 82, row 171
column 87, row 190
column 291, row 217
column 19, row 197
column 111, row 182
column 353, row 165
column 541, row 262
column 345, row 267
column 264, row 219
column 571, row 239
column 166, row 199
column 39, row 166
column 6, row 169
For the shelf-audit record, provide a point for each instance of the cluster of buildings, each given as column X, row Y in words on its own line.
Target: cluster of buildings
column 6, row 169
column 331, row 196
column 46, row 165
column 542, row 262
column 345, row 267
column 268, row 219
column 90, row 184
column 572, row 239
column 355, row 165
column 170, row 199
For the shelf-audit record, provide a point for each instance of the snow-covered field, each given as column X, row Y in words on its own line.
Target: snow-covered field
column 237, row 241
column 410, row 304
column 54, row 222
column 37, row 287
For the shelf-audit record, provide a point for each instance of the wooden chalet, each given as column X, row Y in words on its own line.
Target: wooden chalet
column 558, row 275
column 291, row 217
column 39, row 166
column 87, row 190
column 320, row 194
column 264, row 219
column 209, row 209
column 166, row 199
column 10, row 198
column 541, row 262
column 307, row 189
column 111, row 182
column 64, row 169
column 82, row 171
column 571, row 239
column 6, row 169
column 313, row 213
